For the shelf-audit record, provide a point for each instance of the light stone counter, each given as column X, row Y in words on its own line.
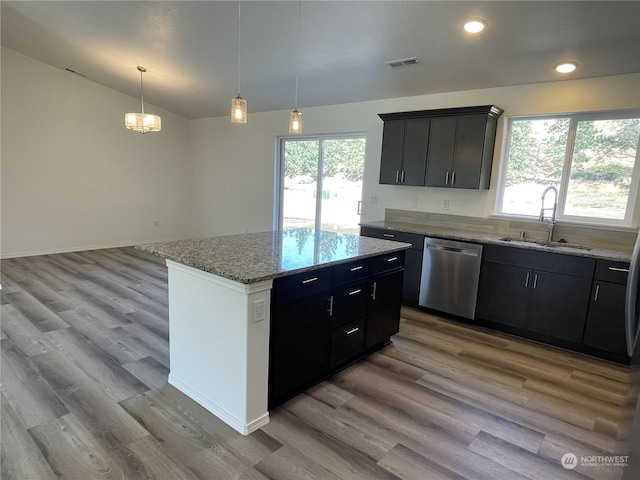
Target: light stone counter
column 493, row 239
column 255, row 257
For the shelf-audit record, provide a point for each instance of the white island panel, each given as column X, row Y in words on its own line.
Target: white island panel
column 219, row 344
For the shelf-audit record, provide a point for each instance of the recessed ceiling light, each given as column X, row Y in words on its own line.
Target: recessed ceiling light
column 475, row 25
column 566, row 67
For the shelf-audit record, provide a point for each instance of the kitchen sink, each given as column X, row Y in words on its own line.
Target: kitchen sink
column 544, row 243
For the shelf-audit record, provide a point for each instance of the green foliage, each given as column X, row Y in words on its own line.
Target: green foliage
column 345, row 156
column 604, row 151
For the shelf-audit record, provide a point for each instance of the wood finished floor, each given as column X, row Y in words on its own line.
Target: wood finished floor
column 85, row 359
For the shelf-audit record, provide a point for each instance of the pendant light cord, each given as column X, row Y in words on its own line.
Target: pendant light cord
column 141, row 92
column 239, row 38
column 298, row 55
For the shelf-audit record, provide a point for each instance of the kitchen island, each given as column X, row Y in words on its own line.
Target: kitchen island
column 220, row 309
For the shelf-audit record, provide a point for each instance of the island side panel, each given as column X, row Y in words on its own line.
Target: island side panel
column 219, row 344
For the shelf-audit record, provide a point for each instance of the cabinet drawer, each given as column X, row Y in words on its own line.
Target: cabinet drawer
column 350, row 272
column 543, row 261
column 388, row 262
column 349, row 304
column 615, row 272
column 300, row 285
column 346, row 343
column 415, row 239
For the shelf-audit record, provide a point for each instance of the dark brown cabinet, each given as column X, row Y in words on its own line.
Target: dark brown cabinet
column 450, row 147
column 384, row 308
column 460, row 152
column 324, row 319
column 412, row 263
column 503, row 294
column 546, row 294
column 605, row 322
column 404, row 152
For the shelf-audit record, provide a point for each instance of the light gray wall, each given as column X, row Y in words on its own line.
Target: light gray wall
column 233, row 167
column 73, row 177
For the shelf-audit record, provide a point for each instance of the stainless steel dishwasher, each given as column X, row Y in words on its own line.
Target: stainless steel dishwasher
column 450, row 273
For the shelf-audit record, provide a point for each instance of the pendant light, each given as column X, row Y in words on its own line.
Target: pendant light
column 142, row 122
column 295, row 119
column 238, row 104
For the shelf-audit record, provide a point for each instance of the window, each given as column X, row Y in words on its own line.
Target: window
column 592, row 159
column 320, row 182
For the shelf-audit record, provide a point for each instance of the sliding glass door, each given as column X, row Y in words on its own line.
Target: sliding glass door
column 320, row 182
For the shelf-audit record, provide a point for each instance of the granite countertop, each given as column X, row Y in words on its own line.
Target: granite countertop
column 488, row 238
column 254, row 257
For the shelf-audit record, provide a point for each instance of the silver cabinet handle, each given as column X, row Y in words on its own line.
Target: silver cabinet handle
column 526, row 281
column 595, row 297
column 388, row 235
column 397, row 176
column 453, row 178
column 402, row 177
column 309, row 280
column 355, row 269
column 330, row 306
column 355, row 292
column 535, row 280
column 616, row 269
column 353, row 330
column 446, row 179
column 375, row 289
column 392, row 259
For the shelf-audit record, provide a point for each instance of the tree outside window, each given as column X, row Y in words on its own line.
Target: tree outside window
column 591, row 158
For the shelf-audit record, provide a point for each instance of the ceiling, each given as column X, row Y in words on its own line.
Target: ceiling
column 190, row 49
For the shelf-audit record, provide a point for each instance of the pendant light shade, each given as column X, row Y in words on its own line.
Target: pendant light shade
column 142, row 122
column 238, row 104
column 238, row 110
column 295, row 121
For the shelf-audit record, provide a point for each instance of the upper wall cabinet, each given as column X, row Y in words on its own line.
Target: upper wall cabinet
column 404, row 151
column 451, row 147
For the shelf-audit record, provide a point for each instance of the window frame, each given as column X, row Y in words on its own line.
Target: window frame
column 574, row 119
column 280, row 165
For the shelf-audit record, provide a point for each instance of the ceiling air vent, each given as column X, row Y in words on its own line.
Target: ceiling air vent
column 404, row 62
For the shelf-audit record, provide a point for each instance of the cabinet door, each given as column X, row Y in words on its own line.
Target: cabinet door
column 467, row 161
column 503, row 294
column 412, row 274
column 414, row 157
column 383, row 316
column 442, row 139
column 392, row 145
column 558, row 305
column 299, row 346
column 605, row 322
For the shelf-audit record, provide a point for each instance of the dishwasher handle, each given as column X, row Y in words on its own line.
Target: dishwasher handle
column 446, row 248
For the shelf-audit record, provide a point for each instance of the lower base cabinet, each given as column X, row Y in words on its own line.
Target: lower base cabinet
column 383, row 319
column 529, row 291
column 325, row 319
column 301, row 332
column 605, row 328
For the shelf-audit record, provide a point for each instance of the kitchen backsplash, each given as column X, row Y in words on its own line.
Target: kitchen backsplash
column 581, row 235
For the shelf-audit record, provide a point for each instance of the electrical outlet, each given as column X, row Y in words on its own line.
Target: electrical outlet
column 373, row 199
column 258, row 310
column 445, row 205
column 414, row 202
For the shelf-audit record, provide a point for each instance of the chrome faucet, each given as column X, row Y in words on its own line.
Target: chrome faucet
column 552, row 220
